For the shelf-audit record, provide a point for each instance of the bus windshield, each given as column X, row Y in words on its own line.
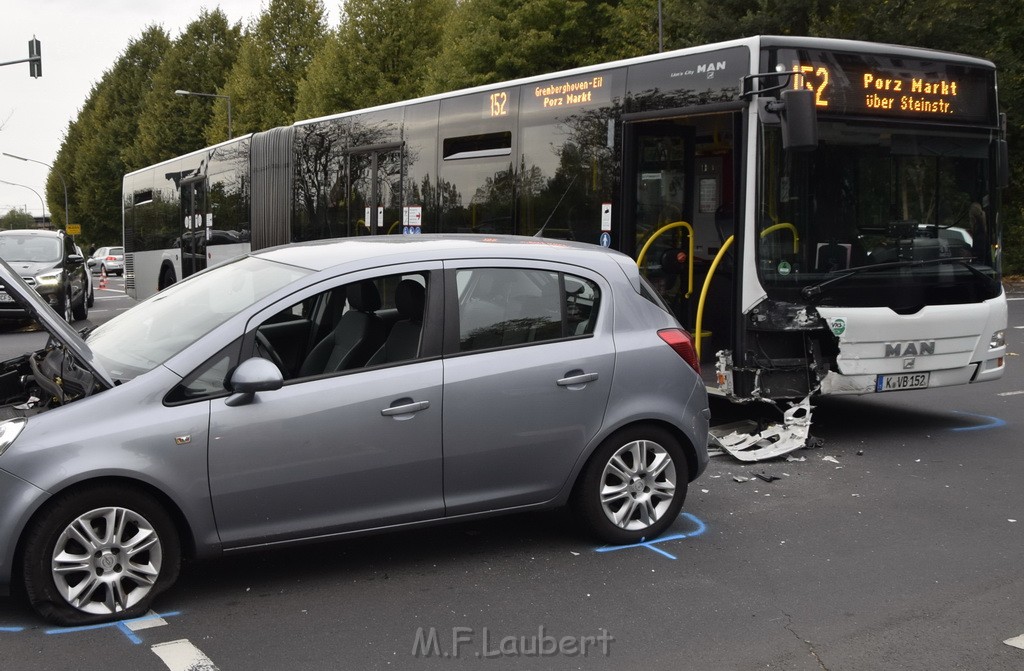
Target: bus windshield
column 882, row 216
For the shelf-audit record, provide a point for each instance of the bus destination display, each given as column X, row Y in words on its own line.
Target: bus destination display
column 869, row 84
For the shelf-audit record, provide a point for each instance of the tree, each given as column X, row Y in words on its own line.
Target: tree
column 379, row 54
column 275, row 52
column 199, row 60
column 15, row 219
column 494, row 40
column 107, row 125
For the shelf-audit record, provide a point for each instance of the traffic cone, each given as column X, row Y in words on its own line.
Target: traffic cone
column 103, row 278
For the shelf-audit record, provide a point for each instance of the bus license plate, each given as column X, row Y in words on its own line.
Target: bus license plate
column 901, row 382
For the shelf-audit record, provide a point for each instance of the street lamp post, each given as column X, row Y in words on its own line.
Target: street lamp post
column 25, row 186
column 63, row 183
column 181, row 92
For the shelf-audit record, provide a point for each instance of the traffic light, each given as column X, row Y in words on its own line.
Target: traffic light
column 35, row 58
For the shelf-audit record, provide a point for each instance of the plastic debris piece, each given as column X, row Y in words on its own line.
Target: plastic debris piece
column 740, row 478
column 860, row 453
column 792, row 458
column 774, row 441
column 830, row 459
column 767, row 478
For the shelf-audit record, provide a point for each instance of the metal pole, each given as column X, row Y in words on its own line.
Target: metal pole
column 63, row 183
column 661, row 44
column 182, row 92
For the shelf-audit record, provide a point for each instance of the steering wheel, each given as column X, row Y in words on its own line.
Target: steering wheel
column 265, row 350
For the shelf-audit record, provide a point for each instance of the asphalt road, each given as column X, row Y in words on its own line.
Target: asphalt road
column 902, row 550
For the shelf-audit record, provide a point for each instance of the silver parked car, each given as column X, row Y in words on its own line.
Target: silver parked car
column 319, row 390
column 108, row 261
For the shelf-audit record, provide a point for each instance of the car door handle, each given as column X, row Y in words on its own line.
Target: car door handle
column 405, row 408
column 572, row 380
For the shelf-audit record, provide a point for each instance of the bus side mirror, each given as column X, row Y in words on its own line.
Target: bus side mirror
column 1003, row 165
column 799, row 120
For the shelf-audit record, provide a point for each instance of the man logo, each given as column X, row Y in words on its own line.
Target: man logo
column 909, row 349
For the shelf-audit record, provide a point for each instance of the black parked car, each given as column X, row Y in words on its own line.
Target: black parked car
column 50, row 263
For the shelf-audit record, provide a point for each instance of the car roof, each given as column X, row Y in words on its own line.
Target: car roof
column 324, row 254
column 32, row 231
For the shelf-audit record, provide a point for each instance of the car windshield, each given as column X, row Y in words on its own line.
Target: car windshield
column 31, row 248
column 140, row 339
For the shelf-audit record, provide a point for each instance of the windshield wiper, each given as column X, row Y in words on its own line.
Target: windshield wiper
column 817, row 290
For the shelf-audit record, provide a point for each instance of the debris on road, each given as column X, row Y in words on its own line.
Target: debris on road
column 740, row 440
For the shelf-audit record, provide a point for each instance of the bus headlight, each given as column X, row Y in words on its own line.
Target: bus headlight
column 998, row 340
column 9, row 431
column 50, row 279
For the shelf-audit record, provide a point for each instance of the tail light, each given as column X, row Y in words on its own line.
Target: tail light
column 681, row 341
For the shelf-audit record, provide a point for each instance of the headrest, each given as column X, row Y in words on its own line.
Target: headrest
column 409, row 297
column 363, row 296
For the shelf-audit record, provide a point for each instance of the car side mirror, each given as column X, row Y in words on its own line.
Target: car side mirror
column 76, row 258
column 91, row 263
column 252, row 376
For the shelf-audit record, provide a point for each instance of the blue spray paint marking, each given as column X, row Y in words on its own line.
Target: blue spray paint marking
column 653, row 544
column 993, row 422
column 122, row 626
column 12, row 629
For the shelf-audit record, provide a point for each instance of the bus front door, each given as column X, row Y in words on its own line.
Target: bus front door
column 680, row 202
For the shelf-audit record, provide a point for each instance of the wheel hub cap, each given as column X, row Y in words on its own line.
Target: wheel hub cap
column 638, row 485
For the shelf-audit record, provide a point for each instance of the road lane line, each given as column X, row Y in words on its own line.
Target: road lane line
column 182, row 655
column 1015, row 642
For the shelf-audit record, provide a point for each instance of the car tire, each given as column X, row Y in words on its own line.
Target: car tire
column 91, row 301
column 81, row 311
column 65, row 308
column 99, row 555
column 633, row 486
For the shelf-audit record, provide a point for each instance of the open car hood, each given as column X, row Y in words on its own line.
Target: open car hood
column 58, row 329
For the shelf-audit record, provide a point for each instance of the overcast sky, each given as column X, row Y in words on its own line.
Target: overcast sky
column 80, row 40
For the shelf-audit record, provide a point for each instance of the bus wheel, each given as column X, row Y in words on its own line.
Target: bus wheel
column 167, row 278
column 634, row 485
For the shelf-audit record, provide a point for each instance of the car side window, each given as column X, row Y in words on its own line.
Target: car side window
column 371, row 322
column 503, row 307
column 209, row 380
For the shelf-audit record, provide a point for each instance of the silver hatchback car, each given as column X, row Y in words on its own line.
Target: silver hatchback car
column 320, row 390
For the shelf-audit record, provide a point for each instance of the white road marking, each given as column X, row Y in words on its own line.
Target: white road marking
column 1010, row 393
column 183, row 656
column 148, row 621
column 1015, row 642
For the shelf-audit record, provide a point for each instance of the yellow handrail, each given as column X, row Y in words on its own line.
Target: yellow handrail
column 689, row 259
column 704, row 291
column 791, row 227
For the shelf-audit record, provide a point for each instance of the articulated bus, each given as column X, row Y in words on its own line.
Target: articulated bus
column 822, row 215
